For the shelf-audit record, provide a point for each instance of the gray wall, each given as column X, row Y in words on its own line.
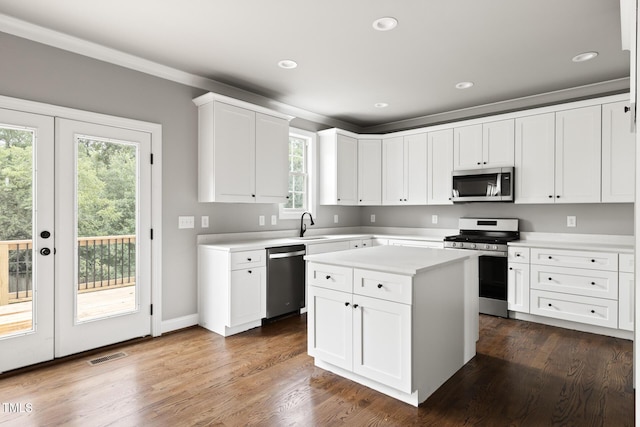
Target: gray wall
column 41, row 73
column 591, row 218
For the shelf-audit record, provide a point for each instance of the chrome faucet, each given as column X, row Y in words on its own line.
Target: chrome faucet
column 303, row 226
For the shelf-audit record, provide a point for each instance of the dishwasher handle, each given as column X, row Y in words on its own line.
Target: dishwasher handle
column 286, row 254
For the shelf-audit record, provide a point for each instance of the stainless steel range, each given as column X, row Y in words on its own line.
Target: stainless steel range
column 490, row 236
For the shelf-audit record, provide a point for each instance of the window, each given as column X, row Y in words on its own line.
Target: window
column 301, row 183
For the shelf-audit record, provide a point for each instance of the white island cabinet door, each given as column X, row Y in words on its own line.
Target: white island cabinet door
column 330, row 326
column 382, row 341
column 518, row 287
column 272, row 159
column 234, row 154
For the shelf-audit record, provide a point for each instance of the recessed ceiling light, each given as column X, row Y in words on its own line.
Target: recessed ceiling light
column 464, row 85
column 584, row 56
column 381, row 105
column 385, row 24
column 287, row 64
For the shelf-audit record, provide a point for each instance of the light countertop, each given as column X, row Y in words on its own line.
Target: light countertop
column 393, row 259
column 575, row 245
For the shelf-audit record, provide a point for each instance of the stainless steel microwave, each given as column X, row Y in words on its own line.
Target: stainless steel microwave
column 483, row 185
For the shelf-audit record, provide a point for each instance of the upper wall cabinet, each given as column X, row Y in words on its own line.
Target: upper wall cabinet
column 404, row 170
column 484, row 145
column 557, row 157
column 369, row 171
column 242, row 152
column 618, row 154
column 578, row 155
column 440, row 158
column 338, row 167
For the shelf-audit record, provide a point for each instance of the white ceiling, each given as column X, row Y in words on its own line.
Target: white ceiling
column 508, row 48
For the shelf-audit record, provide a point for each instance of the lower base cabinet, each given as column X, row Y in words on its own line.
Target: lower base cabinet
column 399, row 334
column 368, row 336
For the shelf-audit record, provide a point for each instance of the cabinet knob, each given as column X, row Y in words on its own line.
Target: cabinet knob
column 346, row 304
column 478, row 162
column 550, row 196
column 355, row 246
column 510, row 268
column 405, row 200
column 517, row 254
column 593, row 311
column 253, row 195
column 550, row 278
column 379, row 285
column 249, row 271
column 249, row 259
column 355, row 305
column 550, row 257
column 550, row 305
column 558, row 196
column 327, row 277
column 360, row 199
column 484, row 163
column 593, row 260
column 593, row 283
column 627, row 109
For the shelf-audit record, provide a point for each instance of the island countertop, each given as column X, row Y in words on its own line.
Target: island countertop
column 393, row 259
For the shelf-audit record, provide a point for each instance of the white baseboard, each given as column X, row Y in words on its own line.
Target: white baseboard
column 179, row 323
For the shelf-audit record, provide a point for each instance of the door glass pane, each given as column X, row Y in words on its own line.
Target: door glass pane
column 107, row 193
column 16, row 230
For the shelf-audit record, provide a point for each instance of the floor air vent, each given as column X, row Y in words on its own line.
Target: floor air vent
column 107, row 358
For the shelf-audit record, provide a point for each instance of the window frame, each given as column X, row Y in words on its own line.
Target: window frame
column 310, row 138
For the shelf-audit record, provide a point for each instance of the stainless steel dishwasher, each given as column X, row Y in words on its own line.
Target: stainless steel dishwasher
column 285, row 280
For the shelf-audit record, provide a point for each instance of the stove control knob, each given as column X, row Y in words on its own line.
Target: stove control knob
column 487, row 246
column 494, row 247
column 453, row 244
column 473, row 246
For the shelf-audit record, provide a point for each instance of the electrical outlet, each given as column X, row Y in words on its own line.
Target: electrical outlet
column 261, row 219
column 434, row 219
column 204, row 221
column 186, row 222
column 373, row 217
column 335, row 219
column 571, row 221
column 274, row 220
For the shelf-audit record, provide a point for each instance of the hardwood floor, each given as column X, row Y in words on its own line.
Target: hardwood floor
column 524, row 374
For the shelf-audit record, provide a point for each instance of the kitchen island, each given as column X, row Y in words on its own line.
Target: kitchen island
column 400, row 320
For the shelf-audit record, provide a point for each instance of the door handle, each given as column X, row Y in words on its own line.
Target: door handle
column 45, row 251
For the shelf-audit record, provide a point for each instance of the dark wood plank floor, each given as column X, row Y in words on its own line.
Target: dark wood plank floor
column 523, row 375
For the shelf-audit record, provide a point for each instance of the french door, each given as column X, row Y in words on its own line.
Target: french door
column 74, row 237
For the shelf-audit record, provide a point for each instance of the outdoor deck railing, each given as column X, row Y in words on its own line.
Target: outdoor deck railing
column 104, row 262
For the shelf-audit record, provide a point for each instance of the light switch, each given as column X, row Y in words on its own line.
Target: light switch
column 186, row 222
column 335, row 219
column 204, row 221
column 274, row 220
column 571, row 221
column 434, row 219
column 261, row 219
column 373, row 217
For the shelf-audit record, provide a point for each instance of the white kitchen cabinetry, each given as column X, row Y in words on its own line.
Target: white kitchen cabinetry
column 578, row 155
column 626, row 293
column 618, row 154
column 580, row 286
column 558, row 157
column 485, row 145
column 404, row 170
column 338, row 167
column 518, row 280
column 369, row 172
column 440, row 167
column 231, row 289
column 360, row 243
column 242, row 152
column 535, row 159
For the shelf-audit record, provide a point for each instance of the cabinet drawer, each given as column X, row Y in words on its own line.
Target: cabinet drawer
column 594, row 311
column 579, row 259
column 520, row 255
column 627, row 262
column 386, row 286
column 330, row 277
column 247, row 259
column 577, row 281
